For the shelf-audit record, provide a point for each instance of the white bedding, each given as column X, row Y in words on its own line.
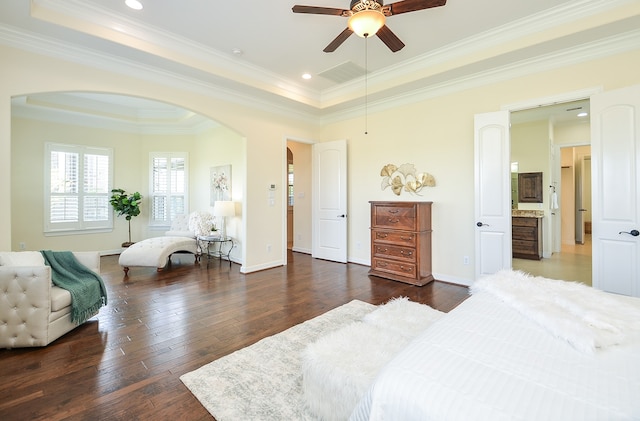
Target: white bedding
column 486, row 361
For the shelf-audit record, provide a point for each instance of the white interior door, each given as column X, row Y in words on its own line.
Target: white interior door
column 330, row 201
column 580, row 205
column 615, row 165
column 492, row 192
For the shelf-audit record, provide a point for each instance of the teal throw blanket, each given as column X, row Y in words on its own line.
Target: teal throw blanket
column 87, row 290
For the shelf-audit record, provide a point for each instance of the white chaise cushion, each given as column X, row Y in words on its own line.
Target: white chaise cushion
column 155, row 252
column 21, row 258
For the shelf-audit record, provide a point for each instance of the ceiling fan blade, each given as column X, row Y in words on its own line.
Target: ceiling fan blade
column 338, row 41
column 405, row 6
column 319, row 10
column 390, row 39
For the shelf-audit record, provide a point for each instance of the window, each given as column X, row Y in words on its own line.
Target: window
column 77, row 189
column 290, row 191
column 168, row 181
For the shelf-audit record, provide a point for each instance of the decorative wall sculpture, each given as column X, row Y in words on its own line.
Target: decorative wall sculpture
column 405, row 177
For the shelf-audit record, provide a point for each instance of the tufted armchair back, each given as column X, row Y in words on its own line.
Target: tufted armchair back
column 34, row 312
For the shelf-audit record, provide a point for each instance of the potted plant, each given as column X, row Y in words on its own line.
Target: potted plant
column 126, row 204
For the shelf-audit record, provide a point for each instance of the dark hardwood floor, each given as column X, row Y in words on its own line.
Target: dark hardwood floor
column 125, row 364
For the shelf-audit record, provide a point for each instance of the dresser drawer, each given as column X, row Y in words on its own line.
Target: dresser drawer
column 394, row 237
column 524, row 222
column 401, row 241
column 394, row 252
column 394, row 217
column 525, row 247
column 524, row 233
column 394, row 267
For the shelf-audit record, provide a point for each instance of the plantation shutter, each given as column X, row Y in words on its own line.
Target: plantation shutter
column 64, row 187
column 96, row 207
column 169, row 186
column 79, row 188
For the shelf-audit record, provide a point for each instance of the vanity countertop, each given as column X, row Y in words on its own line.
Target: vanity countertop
column 527, row 213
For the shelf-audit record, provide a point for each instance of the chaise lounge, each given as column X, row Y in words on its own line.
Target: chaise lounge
column 156, row 252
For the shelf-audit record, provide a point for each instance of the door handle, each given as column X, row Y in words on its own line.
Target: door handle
column 582, row 210
column 480, row 224
column 635, row 233
column 342, row 216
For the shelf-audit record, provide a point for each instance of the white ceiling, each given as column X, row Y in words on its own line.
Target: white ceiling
column 446, row 47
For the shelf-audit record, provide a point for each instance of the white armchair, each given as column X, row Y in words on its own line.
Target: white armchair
column 33, row 311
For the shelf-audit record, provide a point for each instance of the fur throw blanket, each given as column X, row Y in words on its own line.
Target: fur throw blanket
column 587, row 318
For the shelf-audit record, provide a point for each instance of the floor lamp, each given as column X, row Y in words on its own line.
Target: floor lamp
column 224, row 208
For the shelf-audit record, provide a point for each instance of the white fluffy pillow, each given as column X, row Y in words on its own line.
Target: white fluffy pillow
column 21, row 258
column 200, row 222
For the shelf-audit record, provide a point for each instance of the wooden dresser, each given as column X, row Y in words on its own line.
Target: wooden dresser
column 401, row 241
column 526, row 237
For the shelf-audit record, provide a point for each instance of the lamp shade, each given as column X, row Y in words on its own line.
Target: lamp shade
column 224, row 208
column 366, row 22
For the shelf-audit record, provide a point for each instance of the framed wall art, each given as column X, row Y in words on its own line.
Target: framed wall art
column 220, row 180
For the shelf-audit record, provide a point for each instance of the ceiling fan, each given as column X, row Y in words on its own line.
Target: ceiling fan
column 367, row 17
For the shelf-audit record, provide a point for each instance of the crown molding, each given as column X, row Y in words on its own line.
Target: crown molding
column 103, row 23
column 98, row 21
column 418, row 67
column 20, row 109
column 574, row 55
column 423, row 86
column 213, row 88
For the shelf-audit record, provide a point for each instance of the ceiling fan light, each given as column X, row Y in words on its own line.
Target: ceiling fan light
column 366, row 22
column 134, row 4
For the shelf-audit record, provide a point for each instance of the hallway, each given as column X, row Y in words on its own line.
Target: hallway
column 572, row 264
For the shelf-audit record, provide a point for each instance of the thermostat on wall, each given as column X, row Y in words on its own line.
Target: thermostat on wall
column 272, row 186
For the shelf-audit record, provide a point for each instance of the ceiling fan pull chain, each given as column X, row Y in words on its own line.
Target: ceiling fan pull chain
column 366, row 85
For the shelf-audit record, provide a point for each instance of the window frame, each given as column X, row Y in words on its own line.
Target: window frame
column 166, row 223
column 81, row 226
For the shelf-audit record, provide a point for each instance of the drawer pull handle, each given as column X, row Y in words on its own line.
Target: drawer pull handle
column 382, row 264
column 409, row 253
column 405, row 269
column 380, row 250
column 393, row 220
column 409, row 238
column 381, row 235
column 393, row 211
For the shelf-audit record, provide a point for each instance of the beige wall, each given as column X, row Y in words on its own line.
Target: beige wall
column 22, row 73
column 215, row 147
column 436, row 135
column 218, row 146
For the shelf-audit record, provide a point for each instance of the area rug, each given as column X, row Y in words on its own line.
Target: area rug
column 264, row 381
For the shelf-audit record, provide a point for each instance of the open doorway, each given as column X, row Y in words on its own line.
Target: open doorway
column 554, row 140
column 290, row 198
column 298, row 197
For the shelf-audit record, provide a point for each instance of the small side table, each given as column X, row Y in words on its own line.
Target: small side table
column 213, row 239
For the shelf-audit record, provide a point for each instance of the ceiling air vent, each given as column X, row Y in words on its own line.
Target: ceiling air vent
column 343, row 72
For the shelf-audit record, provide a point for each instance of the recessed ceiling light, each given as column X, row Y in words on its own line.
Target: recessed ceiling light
column 306, row 76
column 134, row 4
column 582, row 114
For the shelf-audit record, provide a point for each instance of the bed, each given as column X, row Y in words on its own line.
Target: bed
column 489, row 359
